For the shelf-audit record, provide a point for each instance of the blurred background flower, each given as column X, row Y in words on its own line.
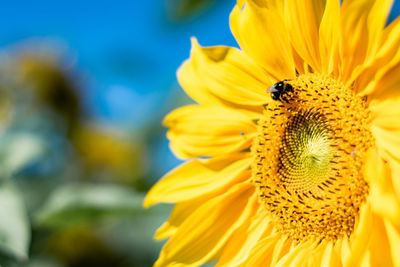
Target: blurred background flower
column 84, row 86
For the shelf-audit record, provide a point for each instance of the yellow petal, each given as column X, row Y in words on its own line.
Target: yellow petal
column 230, row 74
column 196, row 178
column 260, row 31
column 395, row 168
column 337, row 250
column 345, row 250
column 297, row 255
column 386, row 205
column 385, row 86
column 329, row 33
column 386, row 114
column 329, row 257
column 377, row 172
column 383, row 197
column 394, row 239
column 205, row 232
column 239, row 246
column 302, row 18
column 315, row 258
column 179, row 214
column 390, row 40
column 319, row 254
column 379, row 79
column 386, row 130
column 281, row 248
column 261, row 254
column 376, row 21
column 366, row 259
column 164, row 231
column 362, row 24
column 194, row 87
column 372, row 167
column 360, row 238
column 379, row 245
column 387, row 142
column 197, row 131
column 382, row 176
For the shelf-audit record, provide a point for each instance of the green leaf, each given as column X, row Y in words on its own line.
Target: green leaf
column 14, row 225
column 17, row 150
column 73, row 204
column 137, row 232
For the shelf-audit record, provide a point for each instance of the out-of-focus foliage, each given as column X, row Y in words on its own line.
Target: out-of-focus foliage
column 71, row 183
column 71, row 188
column 81, row 144
column 14, row 228
column 180, row 10
column 83, row 203
column 119, row 154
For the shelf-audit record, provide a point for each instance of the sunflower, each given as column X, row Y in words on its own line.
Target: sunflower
column 293, row 150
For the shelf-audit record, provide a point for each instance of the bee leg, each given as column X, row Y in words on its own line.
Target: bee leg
column 285, row 99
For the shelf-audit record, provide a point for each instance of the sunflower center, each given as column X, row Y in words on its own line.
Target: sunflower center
column 308, row 157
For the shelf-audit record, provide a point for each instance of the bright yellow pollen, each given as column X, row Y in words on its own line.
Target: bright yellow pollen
column 308, row 158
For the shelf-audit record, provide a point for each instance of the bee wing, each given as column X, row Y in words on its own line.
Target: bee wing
column 272, row 89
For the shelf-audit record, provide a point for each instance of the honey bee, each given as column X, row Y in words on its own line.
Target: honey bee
column 279, row 90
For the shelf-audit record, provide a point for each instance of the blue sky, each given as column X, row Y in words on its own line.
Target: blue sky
column 128, row 51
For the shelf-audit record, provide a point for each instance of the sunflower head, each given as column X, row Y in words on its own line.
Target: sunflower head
column 293, row 148
column 308, row 158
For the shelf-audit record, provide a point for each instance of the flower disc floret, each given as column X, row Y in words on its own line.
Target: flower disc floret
column 308, row 158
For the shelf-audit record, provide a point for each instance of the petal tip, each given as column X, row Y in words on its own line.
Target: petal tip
column 148, row 201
